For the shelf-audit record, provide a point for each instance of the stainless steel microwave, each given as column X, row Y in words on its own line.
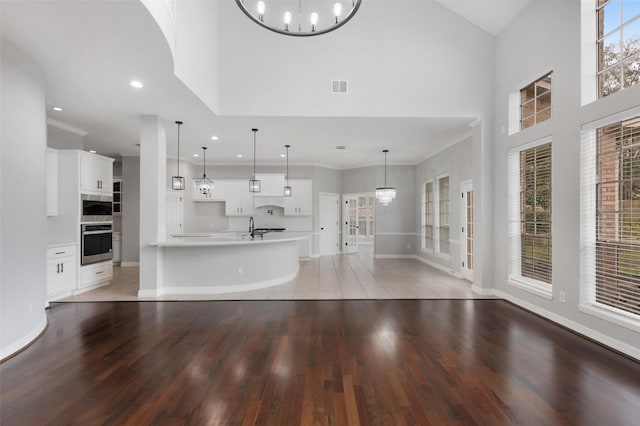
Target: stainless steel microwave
column 96, row 208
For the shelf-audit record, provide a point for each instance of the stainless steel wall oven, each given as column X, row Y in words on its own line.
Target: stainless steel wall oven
column 96, row 243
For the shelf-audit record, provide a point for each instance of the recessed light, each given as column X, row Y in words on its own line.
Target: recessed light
column 137, row 84
column 239, row 155
column 214, row 138
column 92, row 151
column 196, row 155
column 283, row 155
column 57, row 109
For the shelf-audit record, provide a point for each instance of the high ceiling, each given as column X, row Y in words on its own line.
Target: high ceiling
column 490, row 15
column 90, row 50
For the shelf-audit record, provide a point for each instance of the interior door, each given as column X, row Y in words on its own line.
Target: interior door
column 175, row 212
column 329, row 220
column 351, row 227
column 466, row 221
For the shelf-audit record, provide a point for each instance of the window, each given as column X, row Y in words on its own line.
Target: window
column 443, row 215
column 535, row 102
column 427, row 216
column 618, row 45
column 611, row 262
column 530, row 254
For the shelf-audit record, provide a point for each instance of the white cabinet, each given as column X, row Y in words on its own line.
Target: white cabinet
column 300, row 202
column 117, row 247
column 52, row 182
column 61, row 271
column 271, row 185
column 96, row 173
column 238, row 200
column 218, row 193
column 175, row 212
column 95, row 275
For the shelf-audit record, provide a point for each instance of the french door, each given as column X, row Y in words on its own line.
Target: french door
column 466, row 221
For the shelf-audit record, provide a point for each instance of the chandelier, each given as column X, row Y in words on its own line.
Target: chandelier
column 300, row 18
column 385, row 194
column 204, row 184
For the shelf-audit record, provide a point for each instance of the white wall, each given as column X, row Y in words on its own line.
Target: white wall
column 402, row 58
column 23, row 210
column 521, row 58
column 457, row 163
column 61, row 139
column 130, row 210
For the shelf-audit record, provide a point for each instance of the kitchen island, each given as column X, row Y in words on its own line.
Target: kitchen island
column 227, row 262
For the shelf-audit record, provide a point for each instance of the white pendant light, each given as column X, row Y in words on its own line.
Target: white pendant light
column 287, row 189
column 386, row 193
column 204, row 184
column 177, row 182
column 254, row 184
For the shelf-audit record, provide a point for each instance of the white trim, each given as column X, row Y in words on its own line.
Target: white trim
column 610, row 119
column 231, row 288
column 129, row 264
column 531, row 144
column 26, row 340
column 532, row 286
column 616, row 344
column 482, row 291
column 621, row 318
column 394, row 256
column 146, row 294
column 438, row 266
column 67, row 127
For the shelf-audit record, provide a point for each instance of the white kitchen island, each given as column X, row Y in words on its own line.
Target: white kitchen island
column 224, row 263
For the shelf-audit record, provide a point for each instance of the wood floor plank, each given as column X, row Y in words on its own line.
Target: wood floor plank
column 338, row 362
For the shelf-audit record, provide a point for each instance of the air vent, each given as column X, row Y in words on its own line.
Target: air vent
column 341, row 147
column 339, row 87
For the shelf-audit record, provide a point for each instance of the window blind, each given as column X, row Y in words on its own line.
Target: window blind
column 610, row 259
column 530, row 241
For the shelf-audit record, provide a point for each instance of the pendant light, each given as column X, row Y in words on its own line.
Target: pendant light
column 177, row 182
column 287, row 189
column 254, row 184
column 386, row 193
column 204, row 184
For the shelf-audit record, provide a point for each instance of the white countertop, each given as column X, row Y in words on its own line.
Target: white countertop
column 227, row 239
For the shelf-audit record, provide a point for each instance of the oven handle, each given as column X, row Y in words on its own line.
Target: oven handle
column 96, row 232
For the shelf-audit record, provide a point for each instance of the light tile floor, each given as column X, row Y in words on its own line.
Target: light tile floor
column 351, row 276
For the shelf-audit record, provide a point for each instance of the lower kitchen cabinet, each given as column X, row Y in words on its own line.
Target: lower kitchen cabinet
column 95, row 275
column 61, row 271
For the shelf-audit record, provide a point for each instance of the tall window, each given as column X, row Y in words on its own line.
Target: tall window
column 535, row 102
column 530, row 245
column 427, row 229
column 617, row 257
column 618, row 45
column 443, row 215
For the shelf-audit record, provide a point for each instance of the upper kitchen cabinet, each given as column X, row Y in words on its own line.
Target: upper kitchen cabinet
column 218, row 193
column 270, row 185
column 238, row 201
column 96, row 173
column 52, row 182
column 300, row 202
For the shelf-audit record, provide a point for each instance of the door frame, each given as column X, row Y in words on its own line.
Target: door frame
column 465, row 186
column 337, row 198
column 345, row 223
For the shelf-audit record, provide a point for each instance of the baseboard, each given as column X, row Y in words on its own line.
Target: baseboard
column 25, row 341
column 482, row 291
column 615, row 344
column 129, row 264
column 438, row 266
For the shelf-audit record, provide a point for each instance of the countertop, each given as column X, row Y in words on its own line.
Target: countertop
column 227, row 239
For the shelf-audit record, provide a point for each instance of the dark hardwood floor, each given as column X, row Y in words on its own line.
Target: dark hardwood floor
column 391, row 362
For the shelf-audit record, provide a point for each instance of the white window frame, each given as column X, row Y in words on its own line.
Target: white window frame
column 535, row 102
column 424, row 224
column 515, row 277
column 514, row 101
column 436, row 218
column 588, row 199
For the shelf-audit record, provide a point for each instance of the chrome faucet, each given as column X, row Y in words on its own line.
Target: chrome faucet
column 251, row 227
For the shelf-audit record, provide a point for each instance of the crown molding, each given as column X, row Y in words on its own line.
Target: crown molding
column 67, row 127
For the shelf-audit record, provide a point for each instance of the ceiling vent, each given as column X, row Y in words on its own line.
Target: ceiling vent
column 341, row 147
column 339, row 87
